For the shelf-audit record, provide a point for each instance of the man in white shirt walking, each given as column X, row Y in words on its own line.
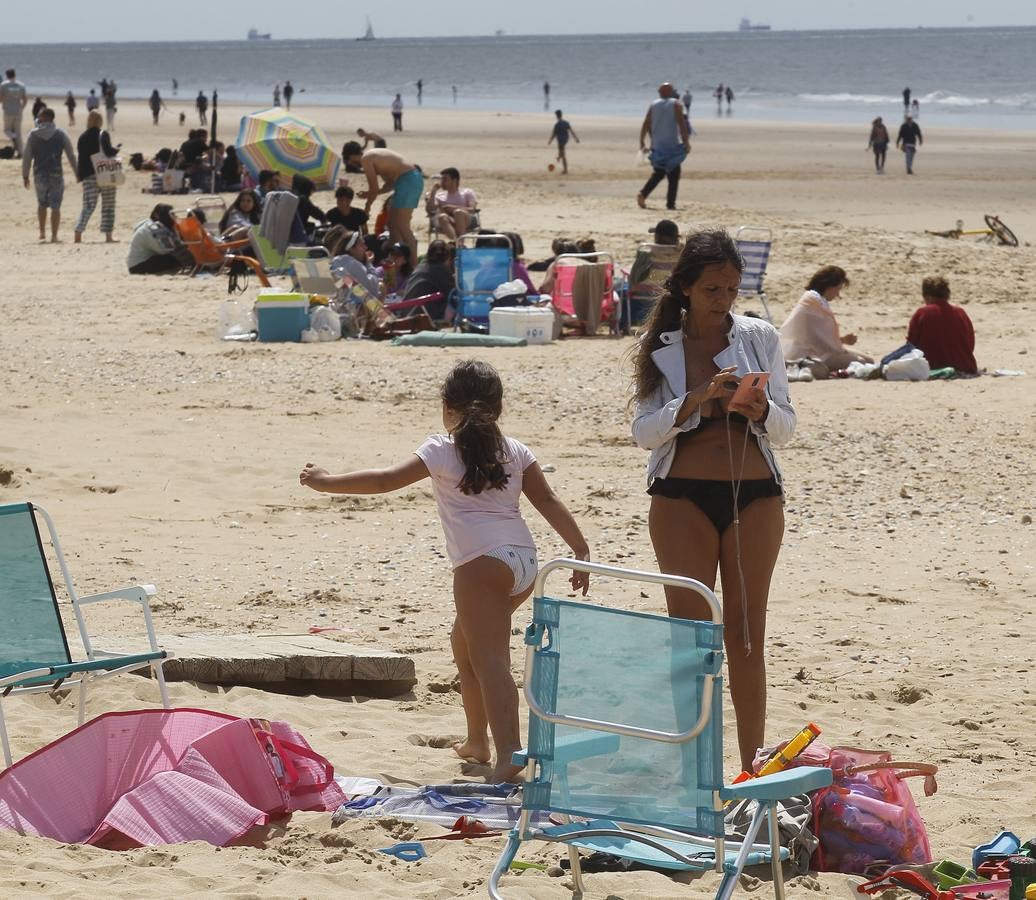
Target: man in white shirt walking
column 13, row 99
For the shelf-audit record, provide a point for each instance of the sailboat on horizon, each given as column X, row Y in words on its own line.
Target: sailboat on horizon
column 368, row 35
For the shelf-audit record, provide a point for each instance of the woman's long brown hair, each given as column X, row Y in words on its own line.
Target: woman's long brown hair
column 474, row 391
column 702, row 248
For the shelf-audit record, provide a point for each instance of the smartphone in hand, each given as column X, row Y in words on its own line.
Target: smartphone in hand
column 743, row 394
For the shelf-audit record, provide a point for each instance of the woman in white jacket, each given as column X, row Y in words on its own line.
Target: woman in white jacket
column 716, row 491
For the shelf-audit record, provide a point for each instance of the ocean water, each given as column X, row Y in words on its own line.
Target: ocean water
column 983, row 78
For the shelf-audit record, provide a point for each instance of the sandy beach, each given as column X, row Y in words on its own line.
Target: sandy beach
column 901, row 613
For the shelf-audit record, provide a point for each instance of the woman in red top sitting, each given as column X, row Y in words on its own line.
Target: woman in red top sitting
column 942, row 331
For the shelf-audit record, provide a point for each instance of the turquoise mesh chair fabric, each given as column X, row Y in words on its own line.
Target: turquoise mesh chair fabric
column 480, row 271
column 632, row 669
column 32, row 635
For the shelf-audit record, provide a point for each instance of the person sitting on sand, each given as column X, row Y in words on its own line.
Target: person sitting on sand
column 942, row 331
column 397, row 175
column 154, row 247
column 811, row 330
column 452, row 206
column 243, row 213
column 478, row 476
column 370, row 137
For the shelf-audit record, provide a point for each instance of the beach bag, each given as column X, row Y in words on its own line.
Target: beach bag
column 108, row 170
column 911, row 366
column 867, row 819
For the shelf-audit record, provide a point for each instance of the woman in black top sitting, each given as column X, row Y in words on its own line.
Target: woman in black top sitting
column 230, row 171
column 433, row 275
column 92, row 141
column 302, row 187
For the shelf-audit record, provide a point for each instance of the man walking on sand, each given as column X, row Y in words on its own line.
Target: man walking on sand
column 397, row 175
column 13, row 99
column 43, row 149
column 908, row 140
column 670, row 135
column 561, row 133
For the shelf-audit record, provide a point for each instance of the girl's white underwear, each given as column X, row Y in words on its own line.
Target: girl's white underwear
column 521, row 561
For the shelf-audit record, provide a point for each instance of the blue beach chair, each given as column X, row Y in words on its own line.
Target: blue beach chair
column 34, row 651
column 754, row 243
column 484, row 262
column 626, row 735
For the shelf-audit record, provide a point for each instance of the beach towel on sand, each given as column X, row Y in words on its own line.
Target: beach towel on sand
column 162, row 776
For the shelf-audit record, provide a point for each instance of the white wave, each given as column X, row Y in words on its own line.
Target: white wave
column 848, row 98
column 933, row 98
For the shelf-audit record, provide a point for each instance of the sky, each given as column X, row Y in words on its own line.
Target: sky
column 127, row 20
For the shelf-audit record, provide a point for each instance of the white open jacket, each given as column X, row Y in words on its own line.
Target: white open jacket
column 754, row 347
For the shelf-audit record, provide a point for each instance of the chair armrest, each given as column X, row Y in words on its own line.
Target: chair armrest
column 138, row 593
column 575, row 747
column 780, row 785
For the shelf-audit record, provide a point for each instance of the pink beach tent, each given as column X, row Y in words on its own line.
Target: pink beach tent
column 162, row 776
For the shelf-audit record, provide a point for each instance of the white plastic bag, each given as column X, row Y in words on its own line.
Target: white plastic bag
column 911, row 366
column 326, row 323
column 236, row 321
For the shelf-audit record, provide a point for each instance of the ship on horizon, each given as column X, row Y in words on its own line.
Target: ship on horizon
column 255, row 35
column 747, row 25
column 368, row 35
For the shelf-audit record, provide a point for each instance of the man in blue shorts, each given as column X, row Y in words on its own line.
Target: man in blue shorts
column 403, row 179
column 561, row 133
column 43, row 149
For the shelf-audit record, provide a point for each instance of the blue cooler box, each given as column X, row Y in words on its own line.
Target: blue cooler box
column 282, row 316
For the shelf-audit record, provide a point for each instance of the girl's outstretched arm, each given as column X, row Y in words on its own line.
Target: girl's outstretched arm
column 365, row 481
column 540, row 495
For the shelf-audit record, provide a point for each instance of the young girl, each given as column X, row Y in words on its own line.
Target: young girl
column 477, row 476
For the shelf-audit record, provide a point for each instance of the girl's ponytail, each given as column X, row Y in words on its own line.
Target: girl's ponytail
column 473, row 390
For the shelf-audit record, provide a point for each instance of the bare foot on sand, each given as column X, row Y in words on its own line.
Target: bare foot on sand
column 641, row 202
column 474, row 750
column 509, row 773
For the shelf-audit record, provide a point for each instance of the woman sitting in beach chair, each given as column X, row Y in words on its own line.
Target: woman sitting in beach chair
column 243, row 213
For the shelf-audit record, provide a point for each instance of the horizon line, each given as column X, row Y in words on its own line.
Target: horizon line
column 454, row 37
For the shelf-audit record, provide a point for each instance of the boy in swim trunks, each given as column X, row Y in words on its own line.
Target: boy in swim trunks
column 402, row 178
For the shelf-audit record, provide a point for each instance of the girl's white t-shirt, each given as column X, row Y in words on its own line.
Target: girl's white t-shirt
column 474, row 524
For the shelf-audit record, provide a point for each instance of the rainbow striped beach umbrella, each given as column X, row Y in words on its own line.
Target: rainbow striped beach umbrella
column 286, row 143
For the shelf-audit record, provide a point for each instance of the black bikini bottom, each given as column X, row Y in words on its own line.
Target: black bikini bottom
column 715, row 498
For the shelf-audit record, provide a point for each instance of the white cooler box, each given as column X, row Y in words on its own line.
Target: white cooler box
column 534, row 323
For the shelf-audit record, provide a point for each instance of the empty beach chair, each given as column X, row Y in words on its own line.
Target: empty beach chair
column 754, row 243
column 34, row 649
column 626, row 735
column 484, row 262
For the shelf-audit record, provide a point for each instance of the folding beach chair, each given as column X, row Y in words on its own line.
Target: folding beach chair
column 34, row 652
column 660, row 260
column 269, row 242
column 311, row 272
column 754, row 243
column 207, row 252
column 213, row 207
column 583, row 291
column 484, row 262
column 626, row 735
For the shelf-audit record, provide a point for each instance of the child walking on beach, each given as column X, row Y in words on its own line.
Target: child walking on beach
column 478, row 475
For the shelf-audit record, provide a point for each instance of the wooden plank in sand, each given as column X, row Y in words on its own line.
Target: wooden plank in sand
column 294, row 664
